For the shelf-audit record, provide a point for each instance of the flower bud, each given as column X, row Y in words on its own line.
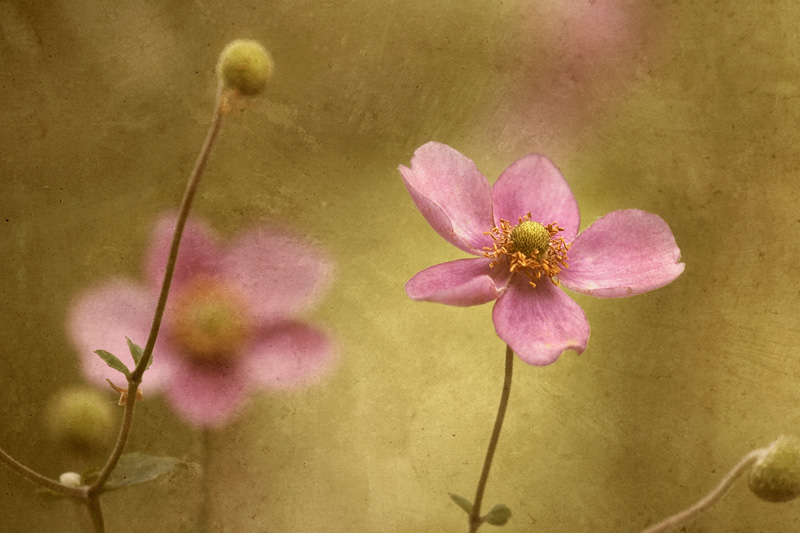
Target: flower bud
column 71, row 479
column 776, row 475
column 245, row 65
column 81, row 419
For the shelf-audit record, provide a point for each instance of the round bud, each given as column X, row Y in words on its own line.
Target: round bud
column 81, row 419
column 245, row 65
column 776, row 475
column 71, row 479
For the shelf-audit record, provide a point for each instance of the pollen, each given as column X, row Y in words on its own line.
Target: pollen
column 528, row 247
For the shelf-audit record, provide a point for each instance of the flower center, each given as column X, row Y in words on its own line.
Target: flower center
column 528, row 247
column 210, row 321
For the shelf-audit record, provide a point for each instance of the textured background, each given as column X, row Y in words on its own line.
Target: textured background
column 683, row 108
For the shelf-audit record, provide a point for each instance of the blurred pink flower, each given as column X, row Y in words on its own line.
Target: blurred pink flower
column 230, row 325
column 623, row 253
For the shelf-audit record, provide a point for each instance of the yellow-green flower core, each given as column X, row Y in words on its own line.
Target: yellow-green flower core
column 529, row 247
column 245, row 65
column 531, row 238
column 210, row 322
column 776, row 476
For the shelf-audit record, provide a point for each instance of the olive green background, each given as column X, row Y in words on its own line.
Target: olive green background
column 691, row 113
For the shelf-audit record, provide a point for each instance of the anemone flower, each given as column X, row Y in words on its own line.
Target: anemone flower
column 231, row 324
column 524, row 230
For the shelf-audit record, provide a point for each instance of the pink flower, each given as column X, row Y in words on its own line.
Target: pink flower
column 521, row 261
column 230, row 325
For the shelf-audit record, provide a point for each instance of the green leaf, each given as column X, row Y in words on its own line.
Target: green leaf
column 498, row 516
column 137, row 352
column 462, row 502
column 137, row 468
column 112, row 361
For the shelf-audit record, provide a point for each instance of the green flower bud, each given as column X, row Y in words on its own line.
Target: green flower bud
column 71, row 479
column 81, row 419
column 776, row 475
column 245, row 65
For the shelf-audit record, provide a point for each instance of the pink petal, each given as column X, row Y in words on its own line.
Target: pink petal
column 534, row 184
column 462, row 282
column 279, row 273
column 198, row 253
column 539, row 323
column 101, row 318
column 207, row 395
column 290, row 355
column 452, row 195
column 623, row 253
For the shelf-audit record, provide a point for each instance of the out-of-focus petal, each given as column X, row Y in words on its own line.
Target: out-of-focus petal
column 102, row 317
column 207, row 395
column 462, row 282
column 278, row 273
column 534, row 184
column 289, row 355
column 539, row 323
column 198, row 253
column 624, row 253
column 452, row 195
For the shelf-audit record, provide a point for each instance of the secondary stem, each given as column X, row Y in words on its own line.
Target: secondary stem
column 205, row 488
column 475, row 519
column 220, row 107
column 706, row 503
column 39, row 479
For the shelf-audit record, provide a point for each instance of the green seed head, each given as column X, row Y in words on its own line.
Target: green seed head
column 245, row 65
column 776, row 476
column 80, row 418
column 530, row 238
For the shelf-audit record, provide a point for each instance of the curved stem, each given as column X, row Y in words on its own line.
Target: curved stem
column 475, row 519
column 706, row 503
column 39, row 479
column 220, row 108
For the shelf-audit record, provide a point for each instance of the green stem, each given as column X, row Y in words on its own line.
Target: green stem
column 475, row 519
column 135, row 378
column 712, row 498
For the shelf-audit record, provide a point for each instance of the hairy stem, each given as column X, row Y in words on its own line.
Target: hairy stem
column 475, row 519
column 706, row 503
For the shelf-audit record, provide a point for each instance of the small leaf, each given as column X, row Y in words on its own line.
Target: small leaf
column 498, row 516
column 462, row 502
column 112, row 361
column 137, row 352
column 136, row 468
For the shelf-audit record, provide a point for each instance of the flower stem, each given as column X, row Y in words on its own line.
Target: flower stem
column 205, row 486
column 39, row 479
column 705, row 504
column 475, row 519
column 96, row 515
column 220, row 109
